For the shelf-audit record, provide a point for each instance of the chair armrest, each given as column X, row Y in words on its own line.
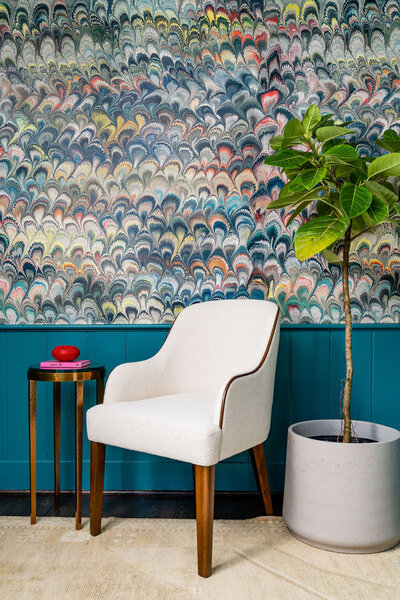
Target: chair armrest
column 135, row 380
column 246, row 403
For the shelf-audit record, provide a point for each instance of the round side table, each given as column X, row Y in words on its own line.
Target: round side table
column 57, row 376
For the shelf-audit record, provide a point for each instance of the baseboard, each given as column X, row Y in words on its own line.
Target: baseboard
column 148, row 504
column 152, row 493
column 149, row 474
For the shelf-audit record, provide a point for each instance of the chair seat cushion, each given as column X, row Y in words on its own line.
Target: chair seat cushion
column 177, row 426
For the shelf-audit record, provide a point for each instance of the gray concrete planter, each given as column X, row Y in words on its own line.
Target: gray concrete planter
column 343, row 497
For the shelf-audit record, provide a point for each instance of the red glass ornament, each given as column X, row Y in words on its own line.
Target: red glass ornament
column 66, row 353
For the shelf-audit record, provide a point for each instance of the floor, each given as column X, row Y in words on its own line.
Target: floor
column 155, row 559
column 163, row 505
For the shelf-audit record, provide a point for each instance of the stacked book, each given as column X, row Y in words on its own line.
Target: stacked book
column 73, row 364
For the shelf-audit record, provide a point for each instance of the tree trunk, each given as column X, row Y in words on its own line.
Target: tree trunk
column 348, row 333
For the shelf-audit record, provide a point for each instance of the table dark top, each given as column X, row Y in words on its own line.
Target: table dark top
column 95, row 367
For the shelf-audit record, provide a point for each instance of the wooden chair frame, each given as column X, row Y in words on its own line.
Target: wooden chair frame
column 204, row 480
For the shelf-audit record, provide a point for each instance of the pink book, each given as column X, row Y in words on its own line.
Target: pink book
column 74, row 364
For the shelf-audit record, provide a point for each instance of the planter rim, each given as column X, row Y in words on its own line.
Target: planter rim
column 391, row 434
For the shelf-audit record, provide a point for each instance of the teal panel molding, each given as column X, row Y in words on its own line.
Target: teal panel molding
column 308, row 385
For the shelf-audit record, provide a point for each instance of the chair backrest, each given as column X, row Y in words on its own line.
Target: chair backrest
column 211, row 342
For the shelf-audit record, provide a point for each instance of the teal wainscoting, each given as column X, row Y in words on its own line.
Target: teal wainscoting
column 308, row 385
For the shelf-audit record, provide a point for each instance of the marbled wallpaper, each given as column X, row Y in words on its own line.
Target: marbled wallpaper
column 132, row 138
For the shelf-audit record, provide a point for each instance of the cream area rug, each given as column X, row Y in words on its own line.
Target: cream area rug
column 146, row 559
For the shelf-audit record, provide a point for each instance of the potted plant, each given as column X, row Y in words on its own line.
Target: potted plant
column 342, row 482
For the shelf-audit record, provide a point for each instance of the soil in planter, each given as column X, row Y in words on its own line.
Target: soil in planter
column 339, row 438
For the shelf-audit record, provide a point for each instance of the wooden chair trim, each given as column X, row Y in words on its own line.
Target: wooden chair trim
column 271, row 337
column 221, row 418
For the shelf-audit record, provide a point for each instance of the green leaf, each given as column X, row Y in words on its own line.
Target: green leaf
column 390, row 146
column 335, row 198
column 285, row 198
column 390, row 135
column 276, row 142
column 385, row 166
column 318, row 234
column 358, row 224
column 329, row 133
column 288, row 199
column 296, row 212
column 331, row 143
column 344, row 151
column 354, row 199
column 323, row 209
column 296, row 184
column 343, row 155
column 331, row 257
column 377, row 212
column 390, row 141
column 381, row 192
column 311, row 118
column 311, row 178
column 280, row 203
column 287, row 158
column 390, row 220
column 292, row 141
column 293, row 134
column 291, row 173
column 293, row 129
column 345, row 171
column 388, row 185
column 286, row 190
column 326, row 121
column 396, row 207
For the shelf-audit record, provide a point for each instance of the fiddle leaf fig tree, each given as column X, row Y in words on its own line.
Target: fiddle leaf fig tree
column 350, row 195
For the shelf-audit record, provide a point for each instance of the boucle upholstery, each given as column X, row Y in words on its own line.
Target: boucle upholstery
column 178, row 426
column 174, row 403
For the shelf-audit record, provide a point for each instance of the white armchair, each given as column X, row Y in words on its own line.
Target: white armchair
column 205, row 396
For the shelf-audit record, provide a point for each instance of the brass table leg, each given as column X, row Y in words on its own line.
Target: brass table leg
column 78, row 452
column 32, row 447
column 56, row 413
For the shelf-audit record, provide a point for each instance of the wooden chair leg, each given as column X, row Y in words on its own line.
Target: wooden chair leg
column 194, row 479
column 97, row 461
column 260, row 472
column 205, row 479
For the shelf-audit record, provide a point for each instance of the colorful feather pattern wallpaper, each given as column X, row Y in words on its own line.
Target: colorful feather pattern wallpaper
column 132, row 138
